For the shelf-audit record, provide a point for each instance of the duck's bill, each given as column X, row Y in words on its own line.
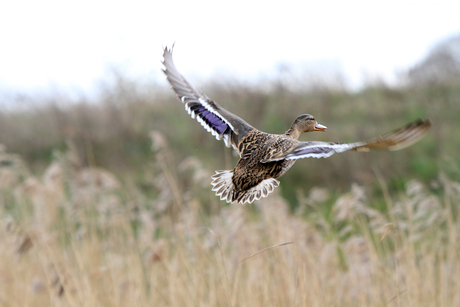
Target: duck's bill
column 319, row 127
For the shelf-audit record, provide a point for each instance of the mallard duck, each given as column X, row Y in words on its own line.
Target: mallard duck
column 265, row 157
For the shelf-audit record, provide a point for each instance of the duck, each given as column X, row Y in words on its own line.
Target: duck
column 264, row 157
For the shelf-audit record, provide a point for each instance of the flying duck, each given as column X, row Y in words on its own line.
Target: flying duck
column 263, row 156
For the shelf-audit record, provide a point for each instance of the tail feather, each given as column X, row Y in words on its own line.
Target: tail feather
column 223, row 186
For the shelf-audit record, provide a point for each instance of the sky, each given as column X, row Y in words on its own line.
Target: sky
column 71, row 46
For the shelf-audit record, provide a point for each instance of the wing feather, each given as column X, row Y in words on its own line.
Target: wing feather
column 215, row 119
column 396, row 140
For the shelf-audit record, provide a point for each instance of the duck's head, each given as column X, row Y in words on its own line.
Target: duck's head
column 307, row 123
column 304, row 123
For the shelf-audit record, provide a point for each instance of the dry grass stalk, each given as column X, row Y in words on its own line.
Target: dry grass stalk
column 90, row 239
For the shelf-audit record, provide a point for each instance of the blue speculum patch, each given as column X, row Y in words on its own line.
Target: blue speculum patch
column 220, row 129
column 212, row 120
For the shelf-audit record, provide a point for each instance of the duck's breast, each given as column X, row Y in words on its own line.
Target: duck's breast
column 250, row 171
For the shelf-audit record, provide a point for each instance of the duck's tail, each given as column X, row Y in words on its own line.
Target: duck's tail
column 223, row 186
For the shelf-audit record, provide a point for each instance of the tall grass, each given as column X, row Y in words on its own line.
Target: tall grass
column 81, row 236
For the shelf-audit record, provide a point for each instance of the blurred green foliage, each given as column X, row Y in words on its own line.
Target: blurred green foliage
column 113, row 130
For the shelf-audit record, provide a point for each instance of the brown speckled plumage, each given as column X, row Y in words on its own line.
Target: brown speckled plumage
column 255, row 147
column 265, row 157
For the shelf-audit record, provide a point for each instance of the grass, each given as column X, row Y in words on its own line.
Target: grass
column 115, row 127
column 81, row 236
column 108, row 203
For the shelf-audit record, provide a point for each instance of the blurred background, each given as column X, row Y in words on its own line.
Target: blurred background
column 91, row 73
column 94, row 144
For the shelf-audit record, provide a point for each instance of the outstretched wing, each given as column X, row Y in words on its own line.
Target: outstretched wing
column 398, row 139
column 215, row 119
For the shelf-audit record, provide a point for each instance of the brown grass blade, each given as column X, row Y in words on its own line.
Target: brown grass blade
column 386, row 231
column 263, row 250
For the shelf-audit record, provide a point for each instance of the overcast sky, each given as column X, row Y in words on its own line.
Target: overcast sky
column 70, row 45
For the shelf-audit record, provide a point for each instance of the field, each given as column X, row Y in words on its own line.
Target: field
column 109, row 203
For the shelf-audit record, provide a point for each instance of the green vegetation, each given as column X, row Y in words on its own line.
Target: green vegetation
column 113, row 131
column 109, row 203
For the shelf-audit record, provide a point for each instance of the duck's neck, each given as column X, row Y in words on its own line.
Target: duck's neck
column 293, row 133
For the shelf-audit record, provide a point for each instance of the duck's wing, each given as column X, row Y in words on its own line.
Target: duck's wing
column 220, row 122
column 398, row 139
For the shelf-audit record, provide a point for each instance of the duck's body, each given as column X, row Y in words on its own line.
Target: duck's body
column 263, row 156
column 250, row 171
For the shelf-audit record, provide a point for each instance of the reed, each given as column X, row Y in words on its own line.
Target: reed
column 81, row 236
